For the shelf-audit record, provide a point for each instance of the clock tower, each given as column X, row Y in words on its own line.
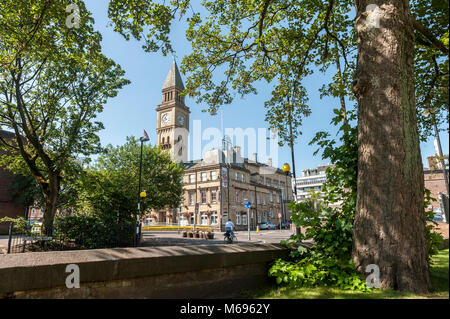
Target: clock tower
column 172, row 121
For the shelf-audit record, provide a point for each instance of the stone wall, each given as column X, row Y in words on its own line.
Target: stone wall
column 209, row 271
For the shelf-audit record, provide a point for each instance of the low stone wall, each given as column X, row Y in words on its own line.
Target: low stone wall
column 204, row 271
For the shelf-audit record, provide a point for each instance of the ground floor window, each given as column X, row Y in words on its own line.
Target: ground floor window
column 265, row 217
column 214, row 220
column 244, row 219
column 204, row 219
column 238, row 218
column 259, row 217
column 183, row 220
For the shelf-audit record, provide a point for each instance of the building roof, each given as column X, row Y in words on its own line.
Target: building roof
column 173, row 78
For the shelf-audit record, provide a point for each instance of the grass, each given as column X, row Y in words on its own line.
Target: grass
column 439, row 273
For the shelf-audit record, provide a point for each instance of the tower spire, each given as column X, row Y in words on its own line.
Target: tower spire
column 173, row 78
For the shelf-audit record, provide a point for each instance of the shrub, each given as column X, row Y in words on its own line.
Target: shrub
column 91, row 231
column 20, row 224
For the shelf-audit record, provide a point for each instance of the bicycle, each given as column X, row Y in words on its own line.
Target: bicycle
column 228, row 239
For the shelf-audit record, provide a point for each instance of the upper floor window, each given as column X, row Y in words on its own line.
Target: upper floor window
column 191, row 198
column 191, row 178
column 204, row 177
column 213, row 196
column 237, row 176
column 203, row 193
column 243, row 178
column 213, row 175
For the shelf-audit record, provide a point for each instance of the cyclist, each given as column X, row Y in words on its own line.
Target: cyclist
column 229, row 228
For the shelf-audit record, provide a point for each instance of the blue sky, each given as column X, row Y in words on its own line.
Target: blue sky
column 133, row 109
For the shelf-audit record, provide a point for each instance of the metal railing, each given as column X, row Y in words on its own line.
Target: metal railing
column 31, row 239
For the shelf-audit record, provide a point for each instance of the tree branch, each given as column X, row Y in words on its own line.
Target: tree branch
column 427, row 34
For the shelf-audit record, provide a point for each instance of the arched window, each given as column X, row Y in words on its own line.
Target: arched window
column 163, row 140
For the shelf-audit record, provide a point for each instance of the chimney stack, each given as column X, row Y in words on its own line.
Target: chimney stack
column 255, row 157
column 237, row 150
column 269, row 160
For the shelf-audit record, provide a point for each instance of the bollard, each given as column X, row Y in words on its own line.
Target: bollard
column 257, row 229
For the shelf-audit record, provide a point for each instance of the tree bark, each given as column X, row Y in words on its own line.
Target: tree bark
column 389, row 227
column 50, row 191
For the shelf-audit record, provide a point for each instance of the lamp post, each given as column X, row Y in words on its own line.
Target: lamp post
column 142, row 194
column 287, row 169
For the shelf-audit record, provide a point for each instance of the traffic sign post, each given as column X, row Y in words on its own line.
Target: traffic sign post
column 248, row 205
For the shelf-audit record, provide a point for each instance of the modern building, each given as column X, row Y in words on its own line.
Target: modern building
column 311, row 180
column 217, row 186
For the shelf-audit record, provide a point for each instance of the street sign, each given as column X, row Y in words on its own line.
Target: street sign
column 247, row 204
column 196, row 208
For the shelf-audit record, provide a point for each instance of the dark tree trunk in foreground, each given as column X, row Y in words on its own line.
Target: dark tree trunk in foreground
column 50, row 191
column 389, row 228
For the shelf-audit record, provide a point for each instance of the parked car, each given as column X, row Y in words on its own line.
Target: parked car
column 267, row 225
column 285, row 225
column 438, row 217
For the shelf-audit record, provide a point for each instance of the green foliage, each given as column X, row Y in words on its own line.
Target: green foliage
column 328, row 262
column 317, row 271
column 20, row 224
column 434, row 239
column 54, row 81
column 93, row 231
column 110, row 187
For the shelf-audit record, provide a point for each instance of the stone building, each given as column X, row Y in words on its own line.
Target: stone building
column 217, row 186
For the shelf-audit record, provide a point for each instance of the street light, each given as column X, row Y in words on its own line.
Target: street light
column 287, row 169
column 142, row 194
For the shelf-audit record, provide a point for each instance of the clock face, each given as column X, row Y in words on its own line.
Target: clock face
column 165, row 118
column 181, row 119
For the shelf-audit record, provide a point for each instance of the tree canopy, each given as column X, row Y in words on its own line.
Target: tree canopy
column 54, row 80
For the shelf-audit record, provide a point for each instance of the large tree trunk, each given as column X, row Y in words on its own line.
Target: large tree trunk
column 50, row 192
column 389, row 228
